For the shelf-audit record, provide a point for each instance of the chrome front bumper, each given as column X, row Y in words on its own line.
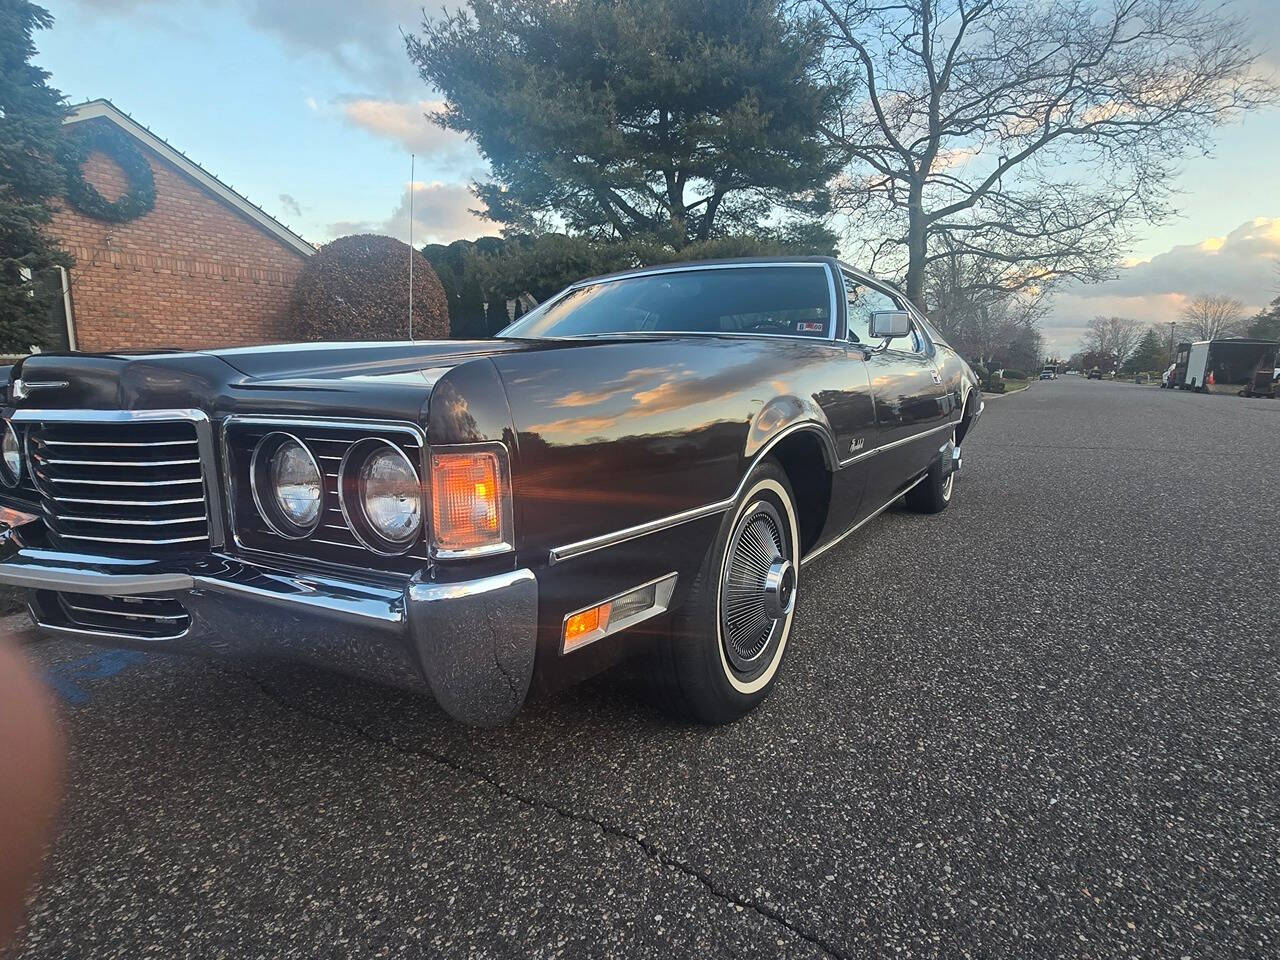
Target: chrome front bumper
column 471, row 643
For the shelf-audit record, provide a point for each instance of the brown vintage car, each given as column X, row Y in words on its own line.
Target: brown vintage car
column 639, row 466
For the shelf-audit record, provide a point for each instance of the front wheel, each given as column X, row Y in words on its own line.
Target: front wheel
column 728, row 640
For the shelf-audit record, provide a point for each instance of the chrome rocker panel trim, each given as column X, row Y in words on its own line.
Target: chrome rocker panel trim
column 814, row 554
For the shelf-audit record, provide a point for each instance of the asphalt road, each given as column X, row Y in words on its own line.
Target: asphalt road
column 1042, row 724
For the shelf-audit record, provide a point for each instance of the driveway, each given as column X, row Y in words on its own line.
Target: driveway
column 1043, row 724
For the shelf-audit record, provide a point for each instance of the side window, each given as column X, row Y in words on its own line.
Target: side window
column 908, row 344
column 862, row 302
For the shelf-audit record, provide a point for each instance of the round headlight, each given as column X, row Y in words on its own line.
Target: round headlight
column 287, row 485
column 381, row 496
column 11, row 449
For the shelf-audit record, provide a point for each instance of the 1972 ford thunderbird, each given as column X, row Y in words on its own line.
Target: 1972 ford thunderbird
column 641, row 465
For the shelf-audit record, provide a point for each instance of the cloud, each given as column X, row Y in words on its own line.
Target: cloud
column 407, row 124
column 290, row 205
column 1263, row 25
column 362, row 40
column 441, row 214
column 1241, row 264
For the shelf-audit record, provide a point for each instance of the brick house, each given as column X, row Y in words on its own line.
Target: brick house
column 204, row 268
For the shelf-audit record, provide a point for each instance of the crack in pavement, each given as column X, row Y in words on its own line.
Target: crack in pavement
column 647, row 847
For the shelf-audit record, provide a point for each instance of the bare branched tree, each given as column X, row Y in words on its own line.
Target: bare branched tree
column 1114, row 336
column 1206, row 317
column 1032, row 133
column 985, row 324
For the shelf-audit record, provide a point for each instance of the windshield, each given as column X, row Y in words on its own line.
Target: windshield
column 791, row 300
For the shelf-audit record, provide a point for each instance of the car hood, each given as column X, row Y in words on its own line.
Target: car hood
column 375, row 379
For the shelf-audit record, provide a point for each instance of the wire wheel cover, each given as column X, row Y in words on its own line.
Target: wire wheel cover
column 757, row 546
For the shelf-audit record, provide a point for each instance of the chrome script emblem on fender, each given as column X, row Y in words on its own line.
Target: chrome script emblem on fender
column 856, row 444
column 22, row 389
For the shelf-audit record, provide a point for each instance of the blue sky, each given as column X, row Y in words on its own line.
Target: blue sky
column 310, row 109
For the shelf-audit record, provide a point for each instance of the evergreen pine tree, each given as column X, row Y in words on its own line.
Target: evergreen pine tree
column 1146, row 355
column 31, row 114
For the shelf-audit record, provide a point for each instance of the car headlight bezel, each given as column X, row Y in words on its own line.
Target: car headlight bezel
column 354, row 502
column 11, row 476
column 266, row 493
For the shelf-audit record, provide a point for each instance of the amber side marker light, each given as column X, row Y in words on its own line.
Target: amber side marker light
column 617, row 613
column 470, row 503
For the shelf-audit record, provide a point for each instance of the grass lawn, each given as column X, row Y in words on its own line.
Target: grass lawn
column 1013, row 386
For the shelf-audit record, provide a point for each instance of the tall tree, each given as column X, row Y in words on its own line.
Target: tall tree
column 682, row 120
column 1207, row 317
column 1033, row 133
column 1147, row 355
column 1266, row 325
column 982, row 322
column 31, row 115
column 1115, row 337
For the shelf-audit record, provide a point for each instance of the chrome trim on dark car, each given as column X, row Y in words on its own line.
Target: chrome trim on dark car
column 834, row 541
column 204, row 445
column 833, row 319
column 664, row 587
column 591, row 544
column 299, row 427
column 356, row 515
column 256, row 491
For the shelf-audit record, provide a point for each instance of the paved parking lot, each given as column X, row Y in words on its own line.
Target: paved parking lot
column 1043, row 724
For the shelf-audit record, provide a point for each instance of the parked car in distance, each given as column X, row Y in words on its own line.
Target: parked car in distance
column 638, row 467
column 1049, row 373
column 1094, row 374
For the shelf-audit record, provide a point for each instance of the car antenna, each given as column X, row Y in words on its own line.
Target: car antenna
column 411, row 186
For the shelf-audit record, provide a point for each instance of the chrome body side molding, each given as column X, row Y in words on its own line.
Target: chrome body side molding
column 570, row 550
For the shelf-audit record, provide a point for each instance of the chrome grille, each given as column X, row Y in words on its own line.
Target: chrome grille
column 135, row 618
column 121, row 487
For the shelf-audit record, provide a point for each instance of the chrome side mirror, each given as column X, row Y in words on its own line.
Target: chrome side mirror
column 886, row 324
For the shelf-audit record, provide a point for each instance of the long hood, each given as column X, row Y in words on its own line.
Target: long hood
column 377, row 379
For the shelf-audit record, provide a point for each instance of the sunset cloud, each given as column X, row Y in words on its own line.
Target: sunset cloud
column 407, row 124
column 1241, row 264
column 441, row 214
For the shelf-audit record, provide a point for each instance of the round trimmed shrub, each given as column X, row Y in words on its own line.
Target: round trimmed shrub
column 357, row 288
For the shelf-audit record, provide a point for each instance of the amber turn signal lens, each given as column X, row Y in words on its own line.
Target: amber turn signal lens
column 582, row 627
column 468, row 501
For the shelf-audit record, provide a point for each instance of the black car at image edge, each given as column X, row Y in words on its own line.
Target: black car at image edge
column 641, row 466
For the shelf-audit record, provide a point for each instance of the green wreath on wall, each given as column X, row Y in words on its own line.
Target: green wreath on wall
column 138, row 200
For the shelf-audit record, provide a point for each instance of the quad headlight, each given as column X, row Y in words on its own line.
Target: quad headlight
column 288, row 487
column 10, row 456
column 381, row 496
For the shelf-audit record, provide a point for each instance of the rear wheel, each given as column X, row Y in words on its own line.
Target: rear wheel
column 933, row 494
column 728, row 640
